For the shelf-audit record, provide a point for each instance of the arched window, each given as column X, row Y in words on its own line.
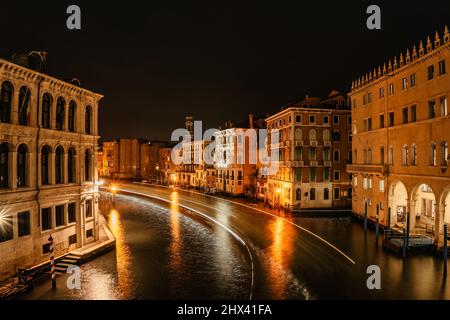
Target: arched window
column 369, row 156
column 312, row 194
column 414, row 155
column 326, row 135
column 364, row 156
column 46, row 106
column 22, row 166
column 298, row 134
column 326, row 194
column 336, row 156
column 405, row 155
column 72, row 113
column 6, row 92
column 24, row 104
column 59, row 165
column 60, row 113
column 356, row 156
column 299, row 195
column 312, row 135
column 88, row 120
column 4, row 165
column 71, row 166
column 87, row 166
column 45, row 165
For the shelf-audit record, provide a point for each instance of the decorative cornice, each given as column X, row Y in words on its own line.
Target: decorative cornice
column 32, row 76
column 405, row 61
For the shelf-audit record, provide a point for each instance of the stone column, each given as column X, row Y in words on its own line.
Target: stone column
column 95, row 120
column 39, row 176
column 51, row 168
column 53, row 113
column 66, row 168
column 15, row 108
column 438, row 223
column 412, row 214
column 30, row 161
column 66, row 116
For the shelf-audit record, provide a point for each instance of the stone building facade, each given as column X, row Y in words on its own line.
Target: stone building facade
column 235, row 174
column 313, row 151
column 48, row 160
column 400, row 139
column 109, row 158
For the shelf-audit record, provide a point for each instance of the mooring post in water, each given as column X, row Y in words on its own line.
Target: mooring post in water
column 445, row 249
column 389, row 219
column 365, row 216
column 52, row 262
column 404, row 243
column 377, row 228
column 408, row 225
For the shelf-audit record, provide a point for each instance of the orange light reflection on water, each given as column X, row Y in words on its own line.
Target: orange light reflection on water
column 123, row 256
column 176, row 243
column 280, row 253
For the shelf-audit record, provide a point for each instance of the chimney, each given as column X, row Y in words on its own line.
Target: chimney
column 250, row 121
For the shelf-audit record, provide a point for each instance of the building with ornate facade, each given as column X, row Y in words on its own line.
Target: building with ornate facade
column 400, row 139
column 48, row 159
column 313, row 151
column 236, row 171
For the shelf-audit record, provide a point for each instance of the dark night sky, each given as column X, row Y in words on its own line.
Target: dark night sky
column 156, row 62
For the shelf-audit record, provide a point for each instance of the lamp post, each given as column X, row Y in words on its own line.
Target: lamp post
column 52, row 263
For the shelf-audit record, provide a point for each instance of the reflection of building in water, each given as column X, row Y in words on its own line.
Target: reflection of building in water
column 400, row 145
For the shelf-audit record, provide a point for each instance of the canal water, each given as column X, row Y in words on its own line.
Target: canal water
column 160, row 254
column 420, row 276
column 164, row 253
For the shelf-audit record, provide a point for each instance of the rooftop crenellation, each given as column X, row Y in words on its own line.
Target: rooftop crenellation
column 404, row 59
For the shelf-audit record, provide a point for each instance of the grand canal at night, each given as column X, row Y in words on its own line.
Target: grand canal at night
column 182, row 245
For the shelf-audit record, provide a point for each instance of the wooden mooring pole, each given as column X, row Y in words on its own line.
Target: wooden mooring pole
column 445, row 250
